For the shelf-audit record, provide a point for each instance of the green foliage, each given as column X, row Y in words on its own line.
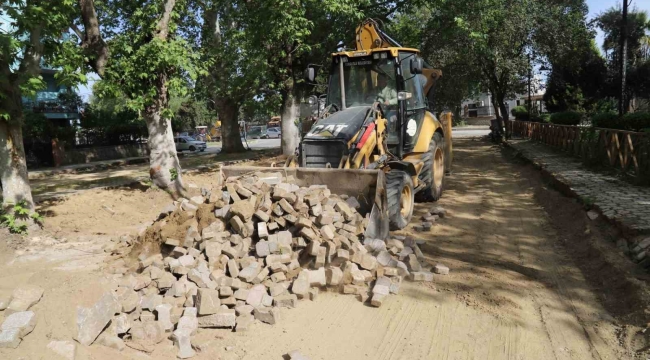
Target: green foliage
column 520, row 113
column 99, row 126
column 577, row 81
column 638, row 55
column 566, row 118
column 173, row 173
column 144, row 68
column 15, row 218
column 485, row 45
column 637, row 121
column 190, row 113
column 33, row 38
column 607, row 120
column 546, row 118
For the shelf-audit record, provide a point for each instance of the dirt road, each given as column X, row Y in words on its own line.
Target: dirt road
column 515, row 290
column 512, row 293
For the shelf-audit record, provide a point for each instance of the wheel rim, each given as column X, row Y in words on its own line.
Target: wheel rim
column 439, row 168
column 405, row 201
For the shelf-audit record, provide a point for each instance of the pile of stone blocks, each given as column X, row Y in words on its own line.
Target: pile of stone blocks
column 246, row 249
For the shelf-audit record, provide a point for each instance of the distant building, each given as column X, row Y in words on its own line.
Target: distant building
column 48, row 101
column 481, row 106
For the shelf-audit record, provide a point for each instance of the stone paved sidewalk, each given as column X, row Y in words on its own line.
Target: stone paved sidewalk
column 619, row 201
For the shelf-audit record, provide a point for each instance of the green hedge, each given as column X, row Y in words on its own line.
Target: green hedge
column 543, row 118
column 638, row 121
column 607, row 120
column 520, row 113
column 566, row 118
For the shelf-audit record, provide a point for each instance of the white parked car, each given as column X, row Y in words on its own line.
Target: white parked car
column 188, row 143
column 273, row 133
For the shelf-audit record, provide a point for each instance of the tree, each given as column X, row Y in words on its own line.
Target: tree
column 297, row 33
column 34, row 37
column 577, row 81
column 148, row 62
column 630, row 61
column 236, row 68
column 460, row 79
column 493, row 44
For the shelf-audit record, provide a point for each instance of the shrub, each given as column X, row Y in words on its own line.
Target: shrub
column 637, row 121
column 542, row 118
column 566, row 118
column 607, row 120
column 520, row 113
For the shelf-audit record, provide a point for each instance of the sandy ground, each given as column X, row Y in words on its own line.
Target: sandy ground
column 531, row 278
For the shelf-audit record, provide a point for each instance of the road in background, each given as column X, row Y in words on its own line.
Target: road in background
column 258, row 144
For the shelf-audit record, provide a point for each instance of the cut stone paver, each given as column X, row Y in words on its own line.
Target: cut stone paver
column 617, row 200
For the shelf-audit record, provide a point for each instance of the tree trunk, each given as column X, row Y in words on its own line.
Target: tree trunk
column 230, row 135
column 495, row 105
column 13, row 168
column 504, row 114
column 290, row 112
column 164, row 167
column 623, row 65
column 92, row 42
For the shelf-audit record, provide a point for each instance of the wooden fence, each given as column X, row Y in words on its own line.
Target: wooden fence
column 625, row 150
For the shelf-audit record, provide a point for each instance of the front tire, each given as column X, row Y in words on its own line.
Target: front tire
column 433, row 172
column 192, row 149
column 399, row 191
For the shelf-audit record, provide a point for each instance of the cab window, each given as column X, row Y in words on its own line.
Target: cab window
column 412, row 83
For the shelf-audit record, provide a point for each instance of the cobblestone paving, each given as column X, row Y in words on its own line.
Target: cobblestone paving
column 617, row 200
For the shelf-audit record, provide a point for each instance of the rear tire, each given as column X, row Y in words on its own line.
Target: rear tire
column 433, row 172
column 399, row 190
column 192, row 149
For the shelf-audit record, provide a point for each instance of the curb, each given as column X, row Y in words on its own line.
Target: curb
column 566, row 189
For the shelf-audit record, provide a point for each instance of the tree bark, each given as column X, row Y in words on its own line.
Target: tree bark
column 495, row 105
column 164, row 167
column 13, row 168
column 94, row 45
column 163, row 23
column 230, row 135
column 504, row 112
column 290, row 112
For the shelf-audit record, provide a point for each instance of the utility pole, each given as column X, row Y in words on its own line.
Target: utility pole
column 623, row 59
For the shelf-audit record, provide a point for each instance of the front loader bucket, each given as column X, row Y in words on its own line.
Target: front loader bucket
column 368, row 186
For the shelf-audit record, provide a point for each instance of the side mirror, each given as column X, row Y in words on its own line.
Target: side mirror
column 310, row 75
column 416, row 66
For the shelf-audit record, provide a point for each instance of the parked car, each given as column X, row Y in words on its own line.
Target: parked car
column 273, row 133
column 256, row 132
column 188, row 143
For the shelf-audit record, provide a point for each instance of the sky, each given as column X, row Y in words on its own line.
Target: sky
column 595, row 7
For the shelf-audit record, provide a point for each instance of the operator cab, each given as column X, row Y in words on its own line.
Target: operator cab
column 396, row 82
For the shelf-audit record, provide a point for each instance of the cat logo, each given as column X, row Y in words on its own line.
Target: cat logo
column 326, row 130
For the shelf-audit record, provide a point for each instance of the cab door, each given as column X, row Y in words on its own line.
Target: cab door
column 416, row 106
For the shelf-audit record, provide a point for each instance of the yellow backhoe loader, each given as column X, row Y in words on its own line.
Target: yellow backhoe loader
column 377, row 138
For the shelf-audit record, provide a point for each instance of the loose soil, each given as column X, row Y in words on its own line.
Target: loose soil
column 531, row 278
